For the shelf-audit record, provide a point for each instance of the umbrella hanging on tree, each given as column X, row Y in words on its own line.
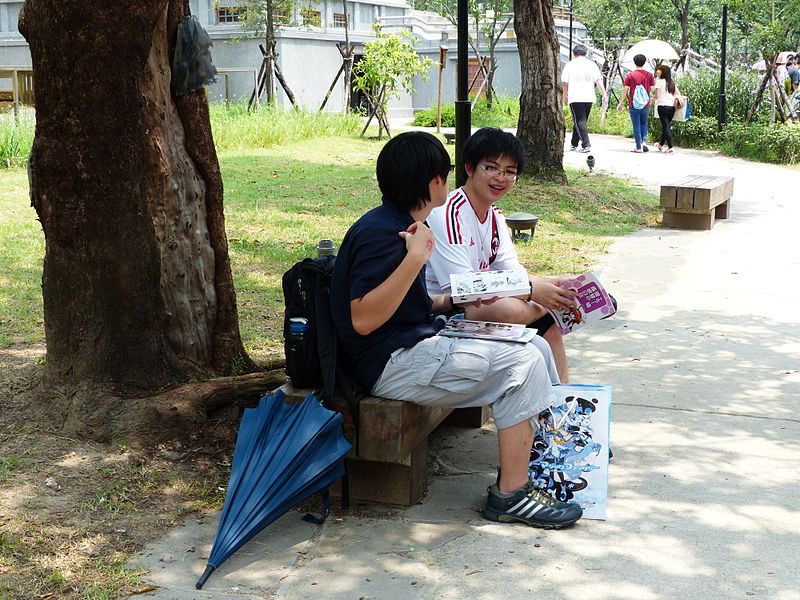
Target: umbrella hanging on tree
column 284, row 454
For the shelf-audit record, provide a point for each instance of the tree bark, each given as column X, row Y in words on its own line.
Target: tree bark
column 541, row 119
column 137, row 286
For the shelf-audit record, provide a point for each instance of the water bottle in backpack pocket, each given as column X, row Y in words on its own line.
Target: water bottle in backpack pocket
column 302, row 359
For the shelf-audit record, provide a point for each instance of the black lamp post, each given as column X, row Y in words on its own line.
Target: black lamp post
column 463, row 108
column 570, row 27
column 721, row 117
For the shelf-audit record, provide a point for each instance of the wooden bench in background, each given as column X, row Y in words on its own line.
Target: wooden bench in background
column 696, row 200
column 388, row 462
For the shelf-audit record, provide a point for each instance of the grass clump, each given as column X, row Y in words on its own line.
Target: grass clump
column 16, row 138
column 235, row 127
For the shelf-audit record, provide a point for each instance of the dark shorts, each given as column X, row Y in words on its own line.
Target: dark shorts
column 542, row 324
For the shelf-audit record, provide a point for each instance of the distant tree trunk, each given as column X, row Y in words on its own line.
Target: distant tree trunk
column 269, row 40
column 137, row 284
column 541, row 120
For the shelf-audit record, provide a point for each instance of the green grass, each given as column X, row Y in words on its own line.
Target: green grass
column 21, row 252
column 280, row 200
column 16, row 137
column 8, row 464
column 235, row 127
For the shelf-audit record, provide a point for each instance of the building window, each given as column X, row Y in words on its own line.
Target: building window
column 230, row 14
column 311, row 18
column 339, row 20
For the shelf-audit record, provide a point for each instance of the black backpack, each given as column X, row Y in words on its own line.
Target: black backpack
column 311, row 358
column 192, row 67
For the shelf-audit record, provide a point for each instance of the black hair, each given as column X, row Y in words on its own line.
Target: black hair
column 666, row 75
column 406, row 166
column 492, row 143
column 639, row 60
column 579, row 50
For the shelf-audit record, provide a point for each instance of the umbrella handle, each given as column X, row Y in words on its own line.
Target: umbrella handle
column 202, row 581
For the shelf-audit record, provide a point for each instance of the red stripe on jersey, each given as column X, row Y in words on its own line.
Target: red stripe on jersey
column 453, row 225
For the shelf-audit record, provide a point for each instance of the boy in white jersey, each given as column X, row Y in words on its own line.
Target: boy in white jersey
column 471, row 235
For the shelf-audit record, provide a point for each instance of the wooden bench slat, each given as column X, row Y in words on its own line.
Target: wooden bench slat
column 390, row 429
column 671, row 194
column 712, row 193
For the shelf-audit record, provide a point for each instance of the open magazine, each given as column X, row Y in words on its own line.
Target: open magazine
column 487, row 330
column 593, row 301
column 484, row 285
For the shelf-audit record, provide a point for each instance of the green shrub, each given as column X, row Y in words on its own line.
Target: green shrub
column 776, row 143
column 427, row 117
column 702, row 88
column 697, row 132
column 504, row 113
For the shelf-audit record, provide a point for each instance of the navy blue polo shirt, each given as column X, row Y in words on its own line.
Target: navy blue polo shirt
column 370, row 252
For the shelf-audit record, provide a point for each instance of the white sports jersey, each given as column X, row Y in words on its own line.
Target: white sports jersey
column 463, row 243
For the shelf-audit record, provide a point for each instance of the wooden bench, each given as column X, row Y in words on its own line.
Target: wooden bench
column 696, row 200
column 388, row 462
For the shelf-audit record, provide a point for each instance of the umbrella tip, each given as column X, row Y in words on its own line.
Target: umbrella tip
column 202, row 581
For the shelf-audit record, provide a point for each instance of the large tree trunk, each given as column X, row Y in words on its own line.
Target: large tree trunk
column 541, row 120
column 137, row 285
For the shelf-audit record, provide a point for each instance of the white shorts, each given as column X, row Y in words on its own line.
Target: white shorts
column 459, row 372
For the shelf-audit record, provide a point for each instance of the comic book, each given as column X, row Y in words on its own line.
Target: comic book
column 569, row 458
column 593, row 301
column 483, row 285
column 487, row 330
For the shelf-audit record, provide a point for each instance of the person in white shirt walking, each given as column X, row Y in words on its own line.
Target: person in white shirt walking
column 578, row 79
column 666, row 91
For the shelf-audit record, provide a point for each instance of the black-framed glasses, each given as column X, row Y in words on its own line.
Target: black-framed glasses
column 495, row 172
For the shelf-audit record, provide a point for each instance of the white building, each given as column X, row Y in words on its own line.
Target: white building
column 307, row 50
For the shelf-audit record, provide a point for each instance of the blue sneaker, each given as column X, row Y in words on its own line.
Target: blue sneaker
column 530, row 506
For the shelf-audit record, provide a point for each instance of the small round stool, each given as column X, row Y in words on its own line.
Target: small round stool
column 519, row 222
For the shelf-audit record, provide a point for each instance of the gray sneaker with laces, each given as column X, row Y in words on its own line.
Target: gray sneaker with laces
column 530, row 506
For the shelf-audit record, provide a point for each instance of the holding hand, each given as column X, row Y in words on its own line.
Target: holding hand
column 551, row 295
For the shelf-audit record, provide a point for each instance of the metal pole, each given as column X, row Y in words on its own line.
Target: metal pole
column 463, row 108
column 570, row 29
column 442, row 66
column 723, row 58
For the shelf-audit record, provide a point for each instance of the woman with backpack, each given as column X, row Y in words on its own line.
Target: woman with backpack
column 637, row 92
column 666, row 94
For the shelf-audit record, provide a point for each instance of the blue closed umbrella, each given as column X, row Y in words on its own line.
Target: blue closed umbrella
column 284, row 454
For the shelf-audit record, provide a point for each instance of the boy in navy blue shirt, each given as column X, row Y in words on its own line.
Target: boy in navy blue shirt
column 385, row 322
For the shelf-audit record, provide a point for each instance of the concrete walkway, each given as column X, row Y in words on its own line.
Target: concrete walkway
column 704, row 359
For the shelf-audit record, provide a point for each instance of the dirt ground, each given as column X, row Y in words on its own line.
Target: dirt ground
column 72, row 512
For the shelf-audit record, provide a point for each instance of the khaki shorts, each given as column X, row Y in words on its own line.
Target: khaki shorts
column 459, row 372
